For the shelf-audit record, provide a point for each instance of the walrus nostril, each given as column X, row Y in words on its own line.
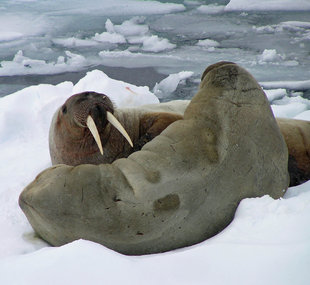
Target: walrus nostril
column 99, row 113
column 98, row 108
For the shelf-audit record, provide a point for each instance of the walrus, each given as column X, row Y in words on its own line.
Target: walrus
column 182, row 187
column 71, row 140
column 87, row 128
column 297, row 137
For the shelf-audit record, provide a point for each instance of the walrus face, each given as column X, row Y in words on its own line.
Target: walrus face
column 93, row 111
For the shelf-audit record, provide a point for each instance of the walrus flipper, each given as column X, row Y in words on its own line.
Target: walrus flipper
column 182, row 187
column 297, row 137
column 152, row 124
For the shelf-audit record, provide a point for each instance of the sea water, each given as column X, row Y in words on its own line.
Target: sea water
column 142, row 42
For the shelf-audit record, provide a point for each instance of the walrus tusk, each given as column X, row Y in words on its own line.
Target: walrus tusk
column 94, row 131
column 119, row 127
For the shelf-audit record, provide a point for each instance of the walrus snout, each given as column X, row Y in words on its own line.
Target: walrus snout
column 95, row 111
column 91, row 104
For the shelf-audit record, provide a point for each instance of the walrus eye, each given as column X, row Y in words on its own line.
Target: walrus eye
column 64, row 109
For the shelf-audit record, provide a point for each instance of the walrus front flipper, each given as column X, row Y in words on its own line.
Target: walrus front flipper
column 152, row 124
column 182, row 187
column 297, row 137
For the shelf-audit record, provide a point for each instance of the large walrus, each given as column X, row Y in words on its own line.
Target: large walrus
column 182, row 187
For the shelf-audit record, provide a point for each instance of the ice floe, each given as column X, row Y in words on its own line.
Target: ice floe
column 170, row 83
column 269, row 238
column 267, row 5
column 211, row 9
column 23, row 65
column 210, row 45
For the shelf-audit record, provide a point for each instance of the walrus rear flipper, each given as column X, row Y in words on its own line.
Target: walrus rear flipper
column 152, row 124
column 297, row 137
column 182, row 187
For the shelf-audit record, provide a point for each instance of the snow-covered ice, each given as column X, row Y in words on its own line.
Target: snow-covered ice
column 23, row 65
column 210, row 45
column 156, row 44
column 267, row 5
column 293, row 85
column 170, row 84
column 268, row 242
column 269, row 55
column 211, row 9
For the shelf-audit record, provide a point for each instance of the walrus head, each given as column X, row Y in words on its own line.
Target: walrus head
column 93, row 111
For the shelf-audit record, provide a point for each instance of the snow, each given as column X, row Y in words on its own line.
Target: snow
column 293, row 26
column 268, row 5
column 9, row 36
column 23, row 65
column 74, row 42
column 170, row 83
column 293, row 85
column 268, row 242
column 211, row 9
column 132, row 31
column 137, row 33
column 135, row 59
column 116, row 34
column 274, row 94
column 269, row 55
column 132, row 27
column 19, row 25
column 121, row 93
column 156, row 44
column 303, row 116
column 135, row 8
column 210, row 45
column 290, row 106
column 109, row 37
column 111, row 7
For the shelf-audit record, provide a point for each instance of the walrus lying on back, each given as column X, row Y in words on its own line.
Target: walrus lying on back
column 182, row 187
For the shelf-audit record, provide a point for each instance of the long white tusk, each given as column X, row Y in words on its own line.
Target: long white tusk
column 119, row 127
column 94, row 131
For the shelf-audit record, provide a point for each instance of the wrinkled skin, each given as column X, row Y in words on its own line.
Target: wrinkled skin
column 72, row 143
column 180, row 188
column 297, row 137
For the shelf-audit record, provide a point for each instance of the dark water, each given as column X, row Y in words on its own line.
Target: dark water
column 242, row 37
